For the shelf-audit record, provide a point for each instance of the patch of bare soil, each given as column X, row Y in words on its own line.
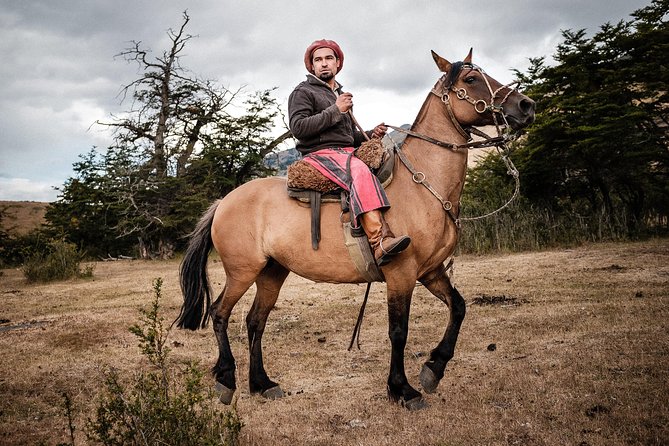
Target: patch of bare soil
column 559, row 347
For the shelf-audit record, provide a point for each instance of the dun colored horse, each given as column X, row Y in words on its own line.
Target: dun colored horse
column 261, row 235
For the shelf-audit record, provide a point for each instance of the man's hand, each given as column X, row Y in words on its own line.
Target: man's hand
column 379, row 131
column 344, row 102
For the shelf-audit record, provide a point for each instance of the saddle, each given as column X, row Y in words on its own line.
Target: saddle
column 307, row 185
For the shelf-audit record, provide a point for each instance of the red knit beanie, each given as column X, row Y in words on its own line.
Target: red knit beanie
column 323, row 44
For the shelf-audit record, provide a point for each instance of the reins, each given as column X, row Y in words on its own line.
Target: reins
column 499, row 142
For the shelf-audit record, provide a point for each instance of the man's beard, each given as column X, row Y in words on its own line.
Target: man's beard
column 326, row 77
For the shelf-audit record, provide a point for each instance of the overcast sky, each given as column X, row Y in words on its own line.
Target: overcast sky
column 58, row 73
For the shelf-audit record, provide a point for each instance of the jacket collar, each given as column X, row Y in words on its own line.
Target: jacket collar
column 316, row 81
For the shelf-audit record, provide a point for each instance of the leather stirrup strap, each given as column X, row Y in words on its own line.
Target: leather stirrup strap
column 315, row 200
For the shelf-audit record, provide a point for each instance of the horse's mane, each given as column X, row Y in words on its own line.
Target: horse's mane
column 453, row 74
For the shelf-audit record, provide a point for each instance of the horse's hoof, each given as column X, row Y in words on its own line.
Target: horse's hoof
column 417, row 403
column 273, row 393
column 428, row 380
column 226, row 393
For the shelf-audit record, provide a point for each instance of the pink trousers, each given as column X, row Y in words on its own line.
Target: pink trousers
column 366, row 193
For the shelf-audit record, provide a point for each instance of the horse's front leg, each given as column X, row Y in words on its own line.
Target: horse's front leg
column 399, row 389
column 439, row 284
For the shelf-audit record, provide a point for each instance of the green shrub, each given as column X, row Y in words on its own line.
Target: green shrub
column 60, row 261
column 165, row 405
column 16, row 249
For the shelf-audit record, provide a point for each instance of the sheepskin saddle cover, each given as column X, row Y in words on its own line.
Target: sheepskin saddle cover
column 302, row 175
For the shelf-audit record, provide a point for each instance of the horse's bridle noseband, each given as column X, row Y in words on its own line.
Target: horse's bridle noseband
column 480, row 106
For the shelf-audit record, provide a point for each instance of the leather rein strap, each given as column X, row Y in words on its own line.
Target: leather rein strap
column 419, row 178
column 488, row 142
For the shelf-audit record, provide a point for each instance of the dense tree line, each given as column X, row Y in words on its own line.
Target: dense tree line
column 595, row 165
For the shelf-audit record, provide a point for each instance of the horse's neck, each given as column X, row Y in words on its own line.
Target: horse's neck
column 444, row 168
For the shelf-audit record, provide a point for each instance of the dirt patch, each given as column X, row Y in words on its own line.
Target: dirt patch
column 6, row 326
column 501, row 300
column 581, row 356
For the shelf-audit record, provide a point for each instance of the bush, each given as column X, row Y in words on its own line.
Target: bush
column 163, row 406
column 61, row 261
column 16, row 249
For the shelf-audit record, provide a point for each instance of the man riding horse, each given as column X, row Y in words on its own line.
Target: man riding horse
column 320, row 118
column 261, row 234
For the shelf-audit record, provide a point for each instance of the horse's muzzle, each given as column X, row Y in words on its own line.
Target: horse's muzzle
column 521, row 114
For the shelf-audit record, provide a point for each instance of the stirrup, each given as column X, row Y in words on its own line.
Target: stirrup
column 401, row 245
column 398, row 248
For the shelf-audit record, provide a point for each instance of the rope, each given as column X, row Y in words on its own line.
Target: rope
column 358, row 324
column 511, row 170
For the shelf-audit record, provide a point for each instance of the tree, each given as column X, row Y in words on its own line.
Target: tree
column 87, row 213
column 156, row 138
column 599, row 145
column 233, row 154
column 175, row 150
column 595, row 164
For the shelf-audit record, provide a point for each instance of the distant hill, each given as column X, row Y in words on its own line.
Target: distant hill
column 281, row 160
column 20, row 217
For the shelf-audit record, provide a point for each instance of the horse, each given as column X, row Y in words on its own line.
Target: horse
column 261, row 235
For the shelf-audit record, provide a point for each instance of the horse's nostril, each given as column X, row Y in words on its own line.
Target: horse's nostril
column 527, row 106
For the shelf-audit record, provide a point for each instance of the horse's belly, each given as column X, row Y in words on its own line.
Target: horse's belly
column 331, row 262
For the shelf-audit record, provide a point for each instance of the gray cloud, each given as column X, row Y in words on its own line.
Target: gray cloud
column 59, row 73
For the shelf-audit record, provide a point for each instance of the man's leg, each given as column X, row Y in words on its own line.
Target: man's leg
column 367, row 200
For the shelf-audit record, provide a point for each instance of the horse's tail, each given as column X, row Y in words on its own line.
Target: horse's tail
column 193, row 275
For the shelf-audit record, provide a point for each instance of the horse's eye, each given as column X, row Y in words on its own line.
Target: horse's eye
column 470, row 80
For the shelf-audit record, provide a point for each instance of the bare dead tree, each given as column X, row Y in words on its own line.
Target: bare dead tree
column 170, row 108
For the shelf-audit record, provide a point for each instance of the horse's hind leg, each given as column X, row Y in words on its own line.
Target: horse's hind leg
column 224, row 370
column 439, row 284
column 268, row 284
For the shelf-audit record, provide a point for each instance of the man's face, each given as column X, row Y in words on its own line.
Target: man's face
column 325, row 64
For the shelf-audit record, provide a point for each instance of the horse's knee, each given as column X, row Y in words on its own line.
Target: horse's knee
column 458, row 305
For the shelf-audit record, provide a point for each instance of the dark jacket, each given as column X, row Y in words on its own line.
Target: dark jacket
column 316, row 121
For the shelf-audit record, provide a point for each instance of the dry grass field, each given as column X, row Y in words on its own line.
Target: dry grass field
column 581, row 353
column 22, row 216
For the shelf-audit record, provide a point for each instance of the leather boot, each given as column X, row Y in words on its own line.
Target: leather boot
column 383, row 242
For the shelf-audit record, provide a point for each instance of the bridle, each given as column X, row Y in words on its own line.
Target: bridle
column 480, row 106
column 442, row 89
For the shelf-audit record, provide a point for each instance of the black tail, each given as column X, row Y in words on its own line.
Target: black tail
column 193, row 275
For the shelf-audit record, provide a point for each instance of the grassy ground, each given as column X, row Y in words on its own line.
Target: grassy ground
column 580, row 355
column 20, row 217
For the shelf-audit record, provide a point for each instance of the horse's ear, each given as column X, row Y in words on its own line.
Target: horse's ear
column 468, row 59
column 443, row 64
